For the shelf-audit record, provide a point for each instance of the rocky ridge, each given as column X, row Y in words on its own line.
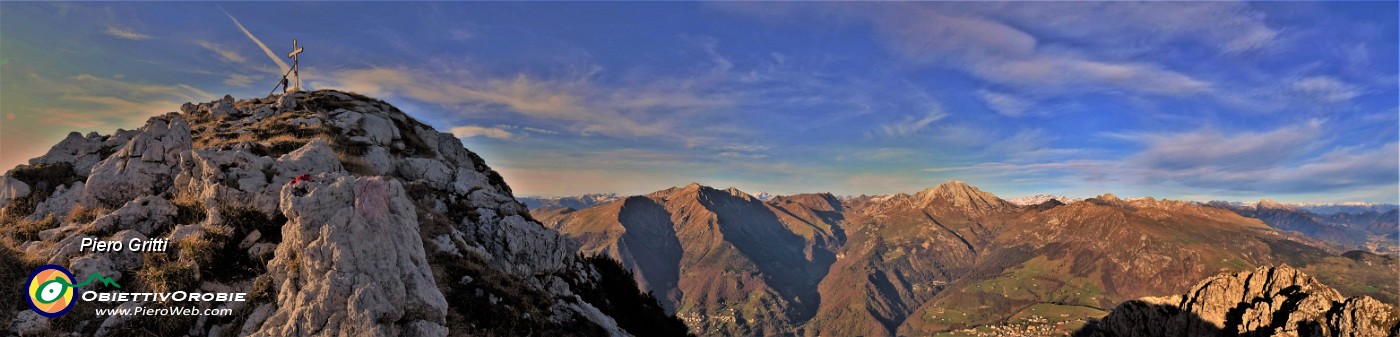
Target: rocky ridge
column 337, row 213
column 1268, row 301
column 1031, row 200
column 1372, row 231
column 575, row 202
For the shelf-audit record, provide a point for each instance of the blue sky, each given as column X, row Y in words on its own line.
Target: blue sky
column 1293, row 101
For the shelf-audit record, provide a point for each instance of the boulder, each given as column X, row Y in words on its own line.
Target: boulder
column 431, row 171
column 223, row 107
column 314, row 158
column 379, row 129
column 145, row 214
column 11, row 189
column 81, row 151
column 60, row 202
column 29, row 323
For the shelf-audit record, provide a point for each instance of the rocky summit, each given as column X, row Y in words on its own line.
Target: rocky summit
column 336, row 213
column 1268, row 301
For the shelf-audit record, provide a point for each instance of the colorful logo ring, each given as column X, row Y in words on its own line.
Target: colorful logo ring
column 50, row 290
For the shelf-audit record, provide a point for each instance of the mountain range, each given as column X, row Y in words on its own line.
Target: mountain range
column 575, row 202
column 948, row 258
column 1041, row 198
column 1367, row 230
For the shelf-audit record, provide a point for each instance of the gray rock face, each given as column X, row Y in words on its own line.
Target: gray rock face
column 331, row 196
column 28, row 323
column 1269, row 301
column 82, row 152
column 144, row 165
column 60, row 202
column 145, row 214
column 11, row 189
column 352, row 243
column 230, row 175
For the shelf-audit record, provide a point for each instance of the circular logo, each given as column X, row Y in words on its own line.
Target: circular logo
column 50, row 290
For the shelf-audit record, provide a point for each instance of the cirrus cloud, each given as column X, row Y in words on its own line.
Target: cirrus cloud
column 469, row 131
column 126, row 33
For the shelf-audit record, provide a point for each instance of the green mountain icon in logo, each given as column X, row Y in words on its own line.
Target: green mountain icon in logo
column 95, row 276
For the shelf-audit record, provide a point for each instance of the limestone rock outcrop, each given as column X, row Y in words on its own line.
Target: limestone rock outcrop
column 352, row 243
column 1268, row 301
column 146, row 164
column 338, row 214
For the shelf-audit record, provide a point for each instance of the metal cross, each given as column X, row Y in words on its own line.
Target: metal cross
column 296, row 67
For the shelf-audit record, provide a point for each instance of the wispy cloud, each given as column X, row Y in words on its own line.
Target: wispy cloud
column 1131, row 28
column 984, row 40
column 126, row 33
column 1065, row 74
column 469, row 131
column 539, row 130
column 910, row 125
column 1284, row 161
column 1030, row 145
column 1234, row 151
column 1325, row 89
column 576, row 103
column 732, row 154
column 1006, row 104
column 224, row 52
column 749, row 151
column 239, row 80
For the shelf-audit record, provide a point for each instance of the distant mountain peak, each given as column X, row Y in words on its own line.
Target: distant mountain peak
column 960, row 195
column 693, row 186
column 953, row 186
column 1270, row 204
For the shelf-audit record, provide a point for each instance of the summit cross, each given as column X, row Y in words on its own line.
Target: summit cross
column 296, row 66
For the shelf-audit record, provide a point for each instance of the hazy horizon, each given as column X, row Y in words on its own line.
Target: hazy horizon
column 1293, row 101
column 999, row 195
